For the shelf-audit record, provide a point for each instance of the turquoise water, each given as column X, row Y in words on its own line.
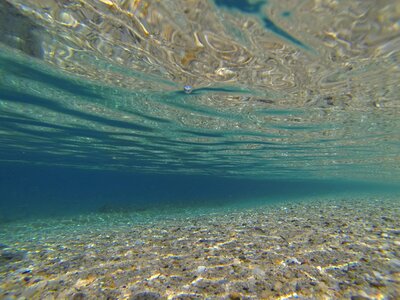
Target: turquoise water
column 95, row 88
column 199, row 149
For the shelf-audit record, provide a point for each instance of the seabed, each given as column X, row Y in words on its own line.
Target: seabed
column 333, row 248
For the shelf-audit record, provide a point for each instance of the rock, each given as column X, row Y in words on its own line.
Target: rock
column 293, row 261
column 79, row 296
column 139, row 243
column 145, row 296
column 34, row 291
column 257, row 228
column 357, row 297
column 234, row 296
column 277, row 286
column 12, row 255
column 201, row 269
column 394, row 262
column 187, row 89
column 258, row 273
column 188, row 297
column 24, row 271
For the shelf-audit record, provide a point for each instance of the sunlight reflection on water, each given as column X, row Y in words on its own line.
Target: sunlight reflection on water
column 264, row 88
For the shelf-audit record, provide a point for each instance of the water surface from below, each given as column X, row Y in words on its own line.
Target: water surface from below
column 279, row 90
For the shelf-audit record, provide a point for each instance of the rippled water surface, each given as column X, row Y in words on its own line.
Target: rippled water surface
column 281, row 89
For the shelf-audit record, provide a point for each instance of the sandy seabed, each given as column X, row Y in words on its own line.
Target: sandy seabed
column 314, row 249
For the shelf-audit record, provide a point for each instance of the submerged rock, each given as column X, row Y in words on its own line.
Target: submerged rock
column 187, row 89
column 145, row 296
column 293, row 261
column 11, row 255
column 201, row 269
column 395, row 263
column 79, row 296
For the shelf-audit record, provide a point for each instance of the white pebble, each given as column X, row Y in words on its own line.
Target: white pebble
column 201, row 269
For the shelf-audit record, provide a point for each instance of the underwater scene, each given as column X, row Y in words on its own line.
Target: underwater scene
column 199, row 149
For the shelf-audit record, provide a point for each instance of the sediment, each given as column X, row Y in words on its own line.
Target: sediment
column 317, row 249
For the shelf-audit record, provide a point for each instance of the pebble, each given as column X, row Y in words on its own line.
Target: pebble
column 394, row 262
column 277, row 286
column 385, row 247
column 79, row 296
column 139, row 243
column 358, row 297
column 145, row 296
column 201, row 269
column 2, row 246
column 12, row 255
column 35, row 290
column 293, row 261
column 24, row 271
column 188, row 89
column 259, row 273
column 188, row 297
column 234, row 296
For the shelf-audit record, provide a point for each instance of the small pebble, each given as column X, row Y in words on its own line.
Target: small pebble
column 258, row 272
column 201, row 269
column 358, row 297
column 234, row 296
column 79, row 296
column 145, row 296
column 2, row 246
column 293, row 261
column 12, row 255
column 394, row 263
column 188, row 89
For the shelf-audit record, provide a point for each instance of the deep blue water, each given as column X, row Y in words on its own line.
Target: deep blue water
column 30, row 192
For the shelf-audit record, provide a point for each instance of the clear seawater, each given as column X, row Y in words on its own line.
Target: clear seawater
column 290, row 100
